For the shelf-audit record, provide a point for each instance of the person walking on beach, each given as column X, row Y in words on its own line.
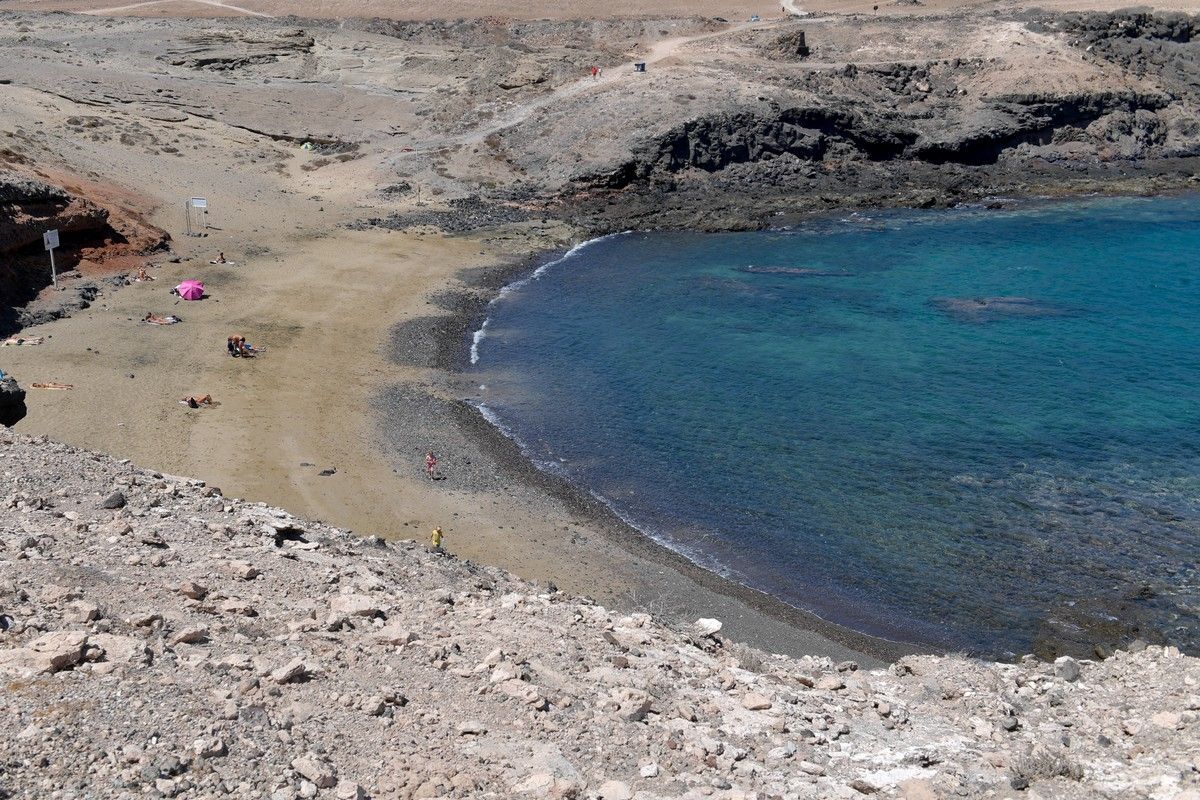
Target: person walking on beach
column 435, row 539
column 431, row 465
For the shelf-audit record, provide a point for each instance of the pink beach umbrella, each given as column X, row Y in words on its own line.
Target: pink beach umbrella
column 190, row 290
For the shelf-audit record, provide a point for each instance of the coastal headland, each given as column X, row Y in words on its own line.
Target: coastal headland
column 373, row 178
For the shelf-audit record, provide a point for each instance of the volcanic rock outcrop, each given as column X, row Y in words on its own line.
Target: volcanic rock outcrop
column 12, row 401
column 89, row 233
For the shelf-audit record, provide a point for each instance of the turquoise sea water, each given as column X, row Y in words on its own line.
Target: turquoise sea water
column 825, row 413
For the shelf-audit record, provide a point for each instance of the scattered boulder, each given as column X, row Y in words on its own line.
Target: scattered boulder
column 294, row 670
column 45, row 655
column 315, row 769
column 12, row 401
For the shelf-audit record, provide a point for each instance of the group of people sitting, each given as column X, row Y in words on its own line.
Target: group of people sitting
column 238, row 348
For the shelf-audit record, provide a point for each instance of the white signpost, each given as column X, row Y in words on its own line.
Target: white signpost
column 193, row 202
column 50, row 240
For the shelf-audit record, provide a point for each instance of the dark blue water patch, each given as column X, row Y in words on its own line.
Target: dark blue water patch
column 984, row 481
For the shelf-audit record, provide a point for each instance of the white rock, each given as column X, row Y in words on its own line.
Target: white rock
column 291, row 671
column 349, row 790
column 394, row 633
column 756, row 702
column 52, row 652
column 243, row 570
column 706, row 626
column 190, row 635
column 614, row 790
column 320, row 772
column 209, row 747
column 355, row 605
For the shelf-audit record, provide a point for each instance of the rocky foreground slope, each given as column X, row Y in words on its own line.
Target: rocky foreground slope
column 159, row 639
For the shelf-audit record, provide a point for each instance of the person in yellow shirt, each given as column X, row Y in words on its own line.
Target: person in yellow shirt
column 436, row 539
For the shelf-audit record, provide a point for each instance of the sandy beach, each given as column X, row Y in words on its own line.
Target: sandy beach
column 321, row 396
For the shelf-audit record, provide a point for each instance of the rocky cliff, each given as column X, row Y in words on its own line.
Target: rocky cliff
column 91, row 233
column 160, row 639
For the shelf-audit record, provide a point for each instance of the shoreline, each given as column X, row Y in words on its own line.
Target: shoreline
column 457, row 353
column 749, row 615
column 454, row 350
column 501, row 510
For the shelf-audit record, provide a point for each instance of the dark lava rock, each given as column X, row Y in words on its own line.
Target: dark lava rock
column 327, row 472
column 12, row 402
column 114, row 500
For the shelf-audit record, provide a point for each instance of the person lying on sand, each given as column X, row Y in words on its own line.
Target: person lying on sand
column 141, row 276
column 195, row 401
column 14, row 341
column 220, row 259
column 155, row 319
column 52, row 386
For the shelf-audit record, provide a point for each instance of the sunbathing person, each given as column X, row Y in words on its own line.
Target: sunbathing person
column 142, row 276
column 195, row 401
column 155, row 319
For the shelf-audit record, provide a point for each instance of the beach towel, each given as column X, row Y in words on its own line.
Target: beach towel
column 223, row 262
column 169, row 320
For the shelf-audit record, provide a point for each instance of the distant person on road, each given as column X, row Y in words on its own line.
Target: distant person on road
column 431, row 465
column 435, row 539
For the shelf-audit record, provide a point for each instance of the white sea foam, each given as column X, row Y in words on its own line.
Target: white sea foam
column 481, row 334
column 554, row 468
